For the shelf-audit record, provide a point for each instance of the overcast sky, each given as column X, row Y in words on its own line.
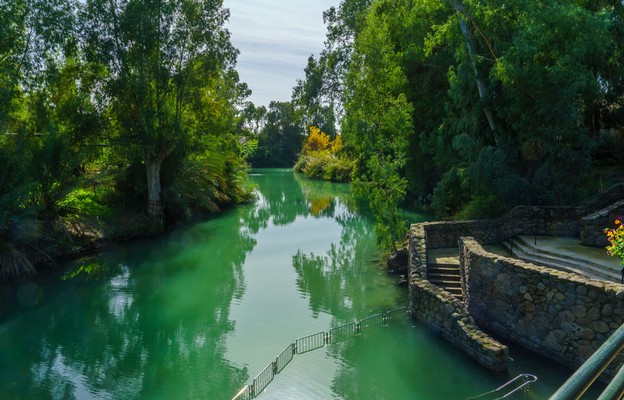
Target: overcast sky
column 275, row 39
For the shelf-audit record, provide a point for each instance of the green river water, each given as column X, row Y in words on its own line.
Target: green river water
column 196, row 314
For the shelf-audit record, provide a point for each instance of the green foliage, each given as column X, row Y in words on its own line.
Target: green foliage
column 95, row 97
column 160, row 60
column 281, row 138
column 378, row 122
column 322, row 158
column 326, row 166
column 208, row 182
column 88, row 201
column 18, row 225
column 505, row 100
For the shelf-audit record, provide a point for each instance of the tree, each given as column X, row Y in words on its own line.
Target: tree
column 155, row 53
column 36, row 39
column 378, row 122
column 280, row 141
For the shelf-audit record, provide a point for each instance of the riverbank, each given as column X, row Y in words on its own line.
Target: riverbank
column 72, row 237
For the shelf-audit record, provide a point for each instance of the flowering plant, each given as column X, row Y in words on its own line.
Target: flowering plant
column 615, row 237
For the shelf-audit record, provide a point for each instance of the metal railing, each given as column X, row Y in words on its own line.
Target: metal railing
column 591, row 369
column 520, row 382
column 314, row 342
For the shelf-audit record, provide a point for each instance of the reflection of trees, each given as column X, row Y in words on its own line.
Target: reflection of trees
column 337, row 282
column 150, row 324
column 280, row 199
column 321, row 196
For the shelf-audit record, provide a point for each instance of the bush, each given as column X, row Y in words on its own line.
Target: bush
column 326, row 166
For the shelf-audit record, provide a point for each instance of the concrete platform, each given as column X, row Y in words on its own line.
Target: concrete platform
column 570, row 248
column 573, row 247
column 450, row 256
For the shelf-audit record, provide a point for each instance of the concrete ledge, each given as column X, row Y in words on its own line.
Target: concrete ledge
column 445, row 315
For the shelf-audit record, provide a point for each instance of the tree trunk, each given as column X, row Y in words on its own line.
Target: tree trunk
column 154, row 200
column 481, row 84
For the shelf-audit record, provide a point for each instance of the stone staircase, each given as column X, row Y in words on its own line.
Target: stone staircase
column 443, row 271
column 523, row 248
column 447, row 277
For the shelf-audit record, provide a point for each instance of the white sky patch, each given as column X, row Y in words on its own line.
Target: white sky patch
column 275, row 39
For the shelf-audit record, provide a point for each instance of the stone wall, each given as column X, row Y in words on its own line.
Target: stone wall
column 445, row 315
column 521, row 220
column 604, row 199
column 417, row 268
column 561, row 315
column 592, row 226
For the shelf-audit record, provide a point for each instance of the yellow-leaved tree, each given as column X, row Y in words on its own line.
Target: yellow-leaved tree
column 316, row 141
column 337, row 144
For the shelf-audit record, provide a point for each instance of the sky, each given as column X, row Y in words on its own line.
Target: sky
column 275, row 39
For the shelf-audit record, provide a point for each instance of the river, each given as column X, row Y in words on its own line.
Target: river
column 197, row 313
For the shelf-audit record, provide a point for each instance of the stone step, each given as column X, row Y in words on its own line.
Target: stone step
column 443, row 271
column 446, row 284
column 450, row 267
column 559, row 256
column 563, row 262
column 447, row 277
column 568, row 263
column 449, row 256
column 445, row 280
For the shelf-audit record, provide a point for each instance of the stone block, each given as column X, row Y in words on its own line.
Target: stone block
column 600, row 327
column 579, row 311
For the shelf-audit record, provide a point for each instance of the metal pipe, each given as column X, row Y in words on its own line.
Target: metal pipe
column 615, row 389
column 587, row 373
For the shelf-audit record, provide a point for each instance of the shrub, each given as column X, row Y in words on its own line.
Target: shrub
column 616, row 240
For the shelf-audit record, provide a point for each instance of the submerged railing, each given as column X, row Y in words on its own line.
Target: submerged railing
column 520, row 382
column 314, row 342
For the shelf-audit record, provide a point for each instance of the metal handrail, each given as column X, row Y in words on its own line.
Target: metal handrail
column 527, row 379
column 583, row 378
column 310, row 343
column 615, row 390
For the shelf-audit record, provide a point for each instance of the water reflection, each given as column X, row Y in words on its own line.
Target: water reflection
column 145, row 321
column 193, row 314
column 339, row 282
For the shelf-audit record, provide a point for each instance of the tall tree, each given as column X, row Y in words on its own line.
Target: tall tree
column 378, row 121
column 281, row 139
column 155, row 52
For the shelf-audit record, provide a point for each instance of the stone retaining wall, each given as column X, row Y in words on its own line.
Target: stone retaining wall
column 521, row 220
column 445, row 315
column 592, row 226
column 417, row 268
column 606, row 198
column 561, row 315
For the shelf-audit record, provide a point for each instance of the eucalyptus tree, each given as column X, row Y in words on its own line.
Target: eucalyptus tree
column 318, row 98
column 378, row 121
column 156, row 54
